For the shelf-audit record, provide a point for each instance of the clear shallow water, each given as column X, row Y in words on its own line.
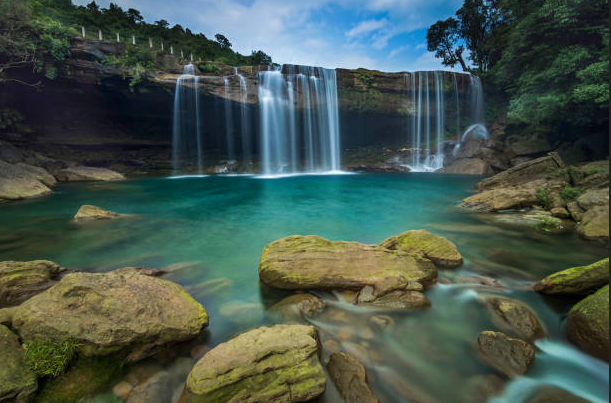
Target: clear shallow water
column 211, row 230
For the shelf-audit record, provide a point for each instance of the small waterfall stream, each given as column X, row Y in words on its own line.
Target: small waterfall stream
column 299, row 120
column 427, row 92
column 186, row 127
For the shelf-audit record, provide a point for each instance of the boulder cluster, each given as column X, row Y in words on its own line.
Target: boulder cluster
column 551, row 193
column 30, row 174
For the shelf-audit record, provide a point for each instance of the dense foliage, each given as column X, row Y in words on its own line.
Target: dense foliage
column 130, row 22
column 548, row 60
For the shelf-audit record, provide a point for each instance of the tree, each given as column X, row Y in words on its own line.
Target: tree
column 223, row 41
column 259, row 57
column 443, row 38
column 134, row 16
column 162, row 24
column 93, row 7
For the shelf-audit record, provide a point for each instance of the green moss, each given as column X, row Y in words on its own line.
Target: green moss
column 569, row 193
column 548, row 223
column 49, row 358
column 542, row 196
column 88, row 376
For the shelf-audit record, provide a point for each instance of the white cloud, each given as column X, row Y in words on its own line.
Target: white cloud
column 366, row 27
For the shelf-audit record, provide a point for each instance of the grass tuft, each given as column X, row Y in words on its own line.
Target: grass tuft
column 49, row 358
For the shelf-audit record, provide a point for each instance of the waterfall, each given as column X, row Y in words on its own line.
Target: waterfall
column 299, row 120
column 426, row 92
column 186, row 128
column 228, row 121
column 244, row 118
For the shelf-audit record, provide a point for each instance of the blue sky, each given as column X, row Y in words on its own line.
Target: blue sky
column 387, row 35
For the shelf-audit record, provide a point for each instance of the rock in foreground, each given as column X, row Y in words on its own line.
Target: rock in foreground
column 276, row 364
column 116, row 311
column 435, row 248
column 513, row 317
column 82, row 173
column 350, row 379
column 588, row 324
column 93, row 213
column 17, row 381
column 313, row 262
column 576, row 280
column 22, row 280
column 511, row 357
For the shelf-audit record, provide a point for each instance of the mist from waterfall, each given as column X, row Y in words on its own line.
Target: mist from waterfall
column 299, row 120
column 186, row 127
column 427, row 92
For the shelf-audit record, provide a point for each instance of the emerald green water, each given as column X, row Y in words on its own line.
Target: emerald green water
column 210, row 232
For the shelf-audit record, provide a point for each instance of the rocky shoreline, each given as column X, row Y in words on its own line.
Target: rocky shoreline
column 68, row 334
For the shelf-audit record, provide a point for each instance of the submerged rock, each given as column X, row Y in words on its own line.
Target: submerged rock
column 552, row 394
column 268, row 364
column 93, row 213
column 481, row 388
column 511, row 357
column 19, row 183
column 17, row 381
column 313, row 262
column 22, row 280
column 399, row 299
column 438, row 249
column 296, row 307
column 82, row 173
column 595, row 224
column 587, row 324
column 157, row 388
column 116, row 311
column 576, row 280
column 513, row 317
column 350, row 379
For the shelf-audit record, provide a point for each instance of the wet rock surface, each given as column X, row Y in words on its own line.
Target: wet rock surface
column 587, row 324
column 511, row 357
column 513, row 317
column 350, row 379
column 576, row 280
column 17, row 382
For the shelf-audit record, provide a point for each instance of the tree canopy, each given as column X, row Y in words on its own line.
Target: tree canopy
column 548, row 59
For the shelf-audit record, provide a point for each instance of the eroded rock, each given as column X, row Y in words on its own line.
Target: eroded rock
column 350, row 379
column 22, row 280
column 313, row 262
column 511, row 357
column 268, row 364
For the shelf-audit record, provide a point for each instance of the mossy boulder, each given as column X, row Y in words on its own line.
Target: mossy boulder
column 121, row 310
column 82, row 173
column 587, row 324
column 19, row 183
column 511, row 357
column 513, row 317
column 576, row 280
column 22, row 280
column 17, row 381
column 350, row 379
column 313, row 262
column 595, row 224
column 88, row 213
column 276, row 364
column 438, row 249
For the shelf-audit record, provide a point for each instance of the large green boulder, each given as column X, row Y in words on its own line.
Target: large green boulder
column 313, row 262
column 277, row 364
column 17, row 381
column 21, row 280
column 588, row 324
column 435, row 248
column 121, row 310
column 576, row 280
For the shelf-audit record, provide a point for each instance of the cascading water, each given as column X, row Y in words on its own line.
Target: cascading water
column 299, row 120
column 427, row 95
column 186, row 130
column 229, row 121
column 244, row 117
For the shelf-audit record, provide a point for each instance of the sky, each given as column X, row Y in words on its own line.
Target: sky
column 386, row 35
